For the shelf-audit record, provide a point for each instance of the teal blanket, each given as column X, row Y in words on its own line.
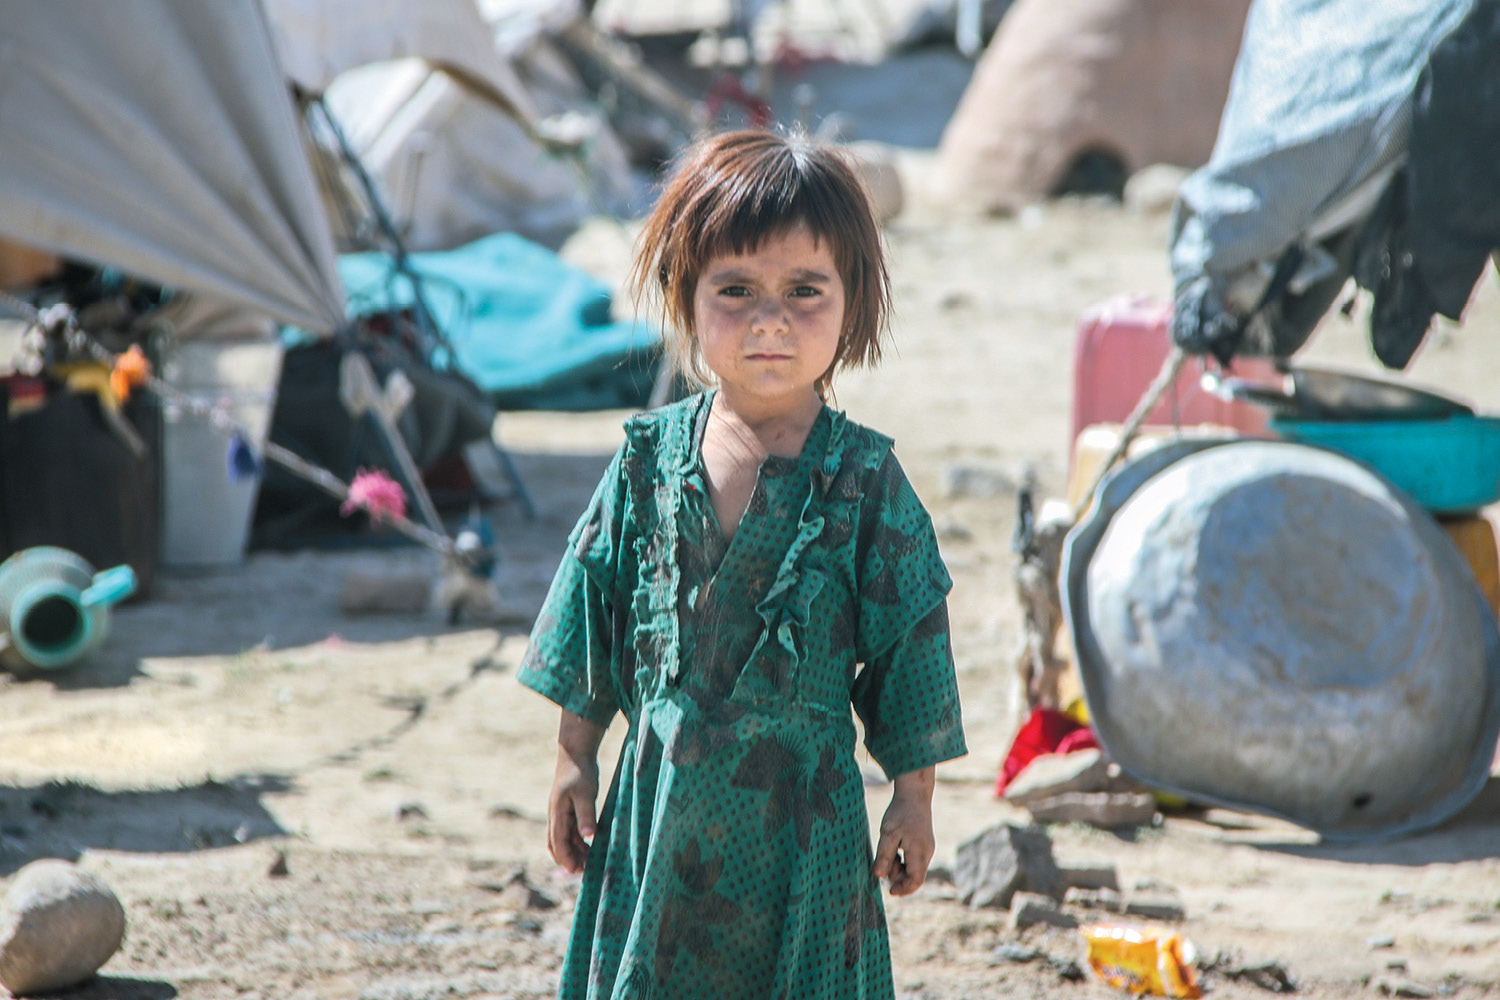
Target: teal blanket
column 529, row 329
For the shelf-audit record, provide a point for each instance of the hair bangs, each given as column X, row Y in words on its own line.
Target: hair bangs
column 732, row 192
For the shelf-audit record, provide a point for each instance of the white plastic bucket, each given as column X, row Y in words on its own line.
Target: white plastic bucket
column 206, row 514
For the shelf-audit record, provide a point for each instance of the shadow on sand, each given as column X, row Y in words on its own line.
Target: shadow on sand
column 121, row 988
column 288, row 599
column 1472, row 834
column 65, row 819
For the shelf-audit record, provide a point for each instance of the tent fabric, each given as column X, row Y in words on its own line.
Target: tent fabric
column 529, row 329
column 446, row 105
column 445, row 414
column 1317, row 124
column 318, row 40
column 157, row 137
column 517, row 24
column 454, row 167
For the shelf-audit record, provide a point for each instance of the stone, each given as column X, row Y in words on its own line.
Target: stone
column 1108, row 810
column 993, row 866
column 1392, row 987
column 1108, row 900
column 1155, row 908
column 516, row 892
column 952, row 530
column 461, row 596
column 1154, row 187
column 980, row 482
column 1015, row 952
column 956, row 299
column 407, row 811
column 939, row 875
column 1090, row 875
column 58, row 925
column 1067, row 969
column 384, row 592
column 1052, row 774
column 1027, row 908
column 1271, row 976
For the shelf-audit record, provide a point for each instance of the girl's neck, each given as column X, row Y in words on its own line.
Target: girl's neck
column 775, row 429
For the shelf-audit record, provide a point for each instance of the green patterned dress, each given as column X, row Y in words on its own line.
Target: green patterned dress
column 733, row 856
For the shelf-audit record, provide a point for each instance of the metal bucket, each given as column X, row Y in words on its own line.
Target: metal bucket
column 1277, row 628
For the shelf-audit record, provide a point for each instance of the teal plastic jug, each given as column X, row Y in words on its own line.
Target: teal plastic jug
column 54, row 609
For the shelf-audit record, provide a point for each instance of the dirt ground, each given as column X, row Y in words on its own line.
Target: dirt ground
column 236, row 725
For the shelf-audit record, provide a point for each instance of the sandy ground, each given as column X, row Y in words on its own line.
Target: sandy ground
column 237, row 718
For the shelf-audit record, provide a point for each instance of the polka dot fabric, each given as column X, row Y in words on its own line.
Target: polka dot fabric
column 733, row 857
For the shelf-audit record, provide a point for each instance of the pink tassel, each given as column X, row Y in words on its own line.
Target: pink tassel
column 376, row 492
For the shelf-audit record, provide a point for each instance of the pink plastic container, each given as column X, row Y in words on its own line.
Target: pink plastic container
column 1120, row 347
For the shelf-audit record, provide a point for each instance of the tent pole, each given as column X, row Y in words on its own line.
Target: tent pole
column 401, row 262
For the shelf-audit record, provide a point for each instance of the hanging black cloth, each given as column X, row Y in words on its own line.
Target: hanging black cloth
column 1455, row 159
column 1427, row 244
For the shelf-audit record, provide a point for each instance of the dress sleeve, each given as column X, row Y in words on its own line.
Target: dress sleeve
column 906, row 693
column 574, row 644
column 907, row 698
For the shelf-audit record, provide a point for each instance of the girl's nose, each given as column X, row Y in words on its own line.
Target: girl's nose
column 770, row 315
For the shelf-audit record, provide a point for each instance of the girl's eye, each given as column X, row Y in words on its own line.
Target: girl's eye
column 734, row 291
column 806, row 291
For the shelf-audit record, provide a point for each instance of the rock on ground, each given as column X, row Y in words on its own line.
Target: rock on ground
column 58, row 925
column 993, row 866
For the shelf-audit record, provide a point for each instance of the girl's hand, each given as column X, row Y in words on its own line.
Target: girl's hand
column 575, row 790
column 906, row 840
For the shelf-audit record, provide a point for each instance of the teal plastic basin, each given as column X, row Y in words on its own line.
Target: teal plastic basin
column 1448, row 466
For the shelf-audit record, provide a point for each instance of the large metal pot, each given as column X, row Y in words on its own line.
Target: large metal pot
column 1276, row 628
column 1312, row 393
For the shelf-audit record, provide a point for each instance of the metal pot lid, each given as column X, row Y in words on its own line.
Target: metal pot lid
column 1332, row 394
column 1306, row 393
column 1275, row 628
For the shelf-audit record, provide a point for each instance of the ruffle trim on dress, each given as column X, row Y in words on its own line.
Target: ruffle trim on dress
column 662, row 436
column 663, row 439
column 837, row 489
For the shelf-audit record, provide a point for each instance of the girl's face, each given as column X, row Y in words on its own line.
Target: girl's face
column 768, row 322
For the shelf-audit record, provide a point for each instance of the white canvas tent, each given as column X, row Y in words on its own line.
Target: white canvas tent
column 318, row 40
column 158, row 137
column 455, row 167
column 161, row 138
column 470, row 120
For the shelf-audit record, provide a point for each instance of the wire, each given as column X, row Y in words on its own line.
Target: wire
column 79, row 339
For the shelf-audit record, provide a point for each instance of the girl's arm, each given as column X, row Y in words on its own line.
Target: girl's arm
column 575, row 790
column 906, row 839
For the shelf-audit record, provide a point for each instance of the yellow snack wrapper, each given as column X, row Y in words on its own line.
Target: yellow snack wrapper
column 1142, row 961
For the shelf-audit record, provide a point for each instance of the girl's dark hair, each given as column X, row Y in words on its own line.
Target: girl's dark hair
column 726, row 195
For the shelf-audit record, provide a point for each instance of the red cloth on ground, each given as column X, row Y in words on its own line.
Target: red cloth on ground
column 1046, row 730
column 1082, row 738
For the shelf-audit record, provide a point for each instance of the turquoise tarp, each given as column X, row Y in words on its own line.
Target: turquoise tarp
column 529, row 329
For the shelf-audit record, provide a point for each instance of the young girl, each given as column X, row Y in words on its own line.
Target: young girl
column 751, row 563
